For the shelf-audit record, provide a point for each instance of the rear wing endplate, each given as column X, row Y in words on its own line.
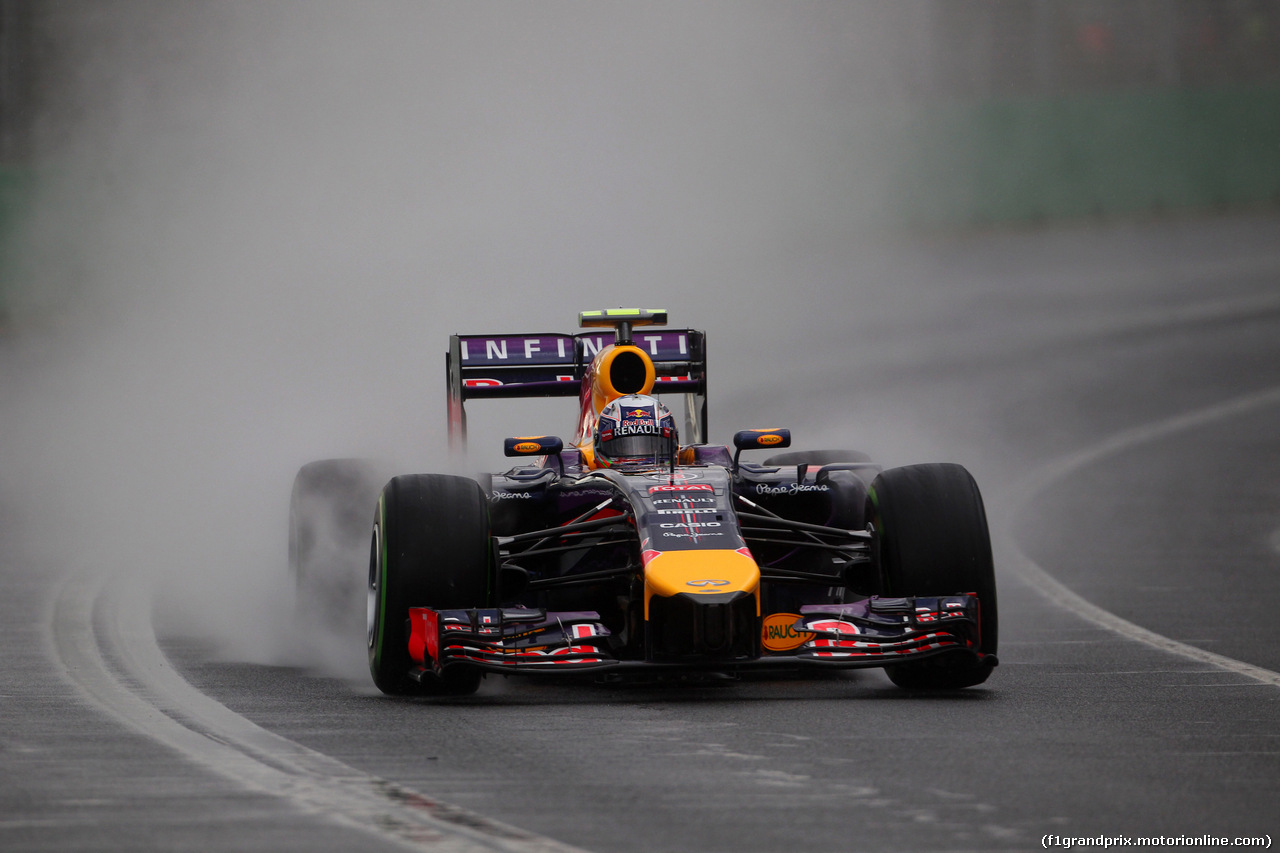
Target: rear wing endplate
column 552, row 365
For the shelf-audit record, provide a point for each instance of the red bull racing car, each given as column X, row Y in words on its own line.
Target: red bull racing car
column 640, row 550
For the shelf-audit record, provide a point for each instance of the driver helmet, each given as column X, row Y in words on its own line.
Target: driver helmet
column 635, row 432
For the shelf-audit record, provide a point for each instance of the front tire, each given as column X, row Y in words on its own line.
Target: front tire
column 430, row 548
column 933, row 540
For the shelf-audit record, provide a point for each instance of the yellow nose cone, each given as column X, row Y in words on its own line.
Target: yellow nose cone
column 700, row 573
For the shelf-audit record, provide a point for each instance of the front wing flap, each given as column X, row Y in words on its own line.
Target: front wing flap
column 872, row 632
column 508, row 638
column 878, row 631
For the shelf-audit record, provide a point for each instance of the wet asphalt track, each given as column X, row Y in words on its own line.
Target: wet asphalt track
column 1017, row 351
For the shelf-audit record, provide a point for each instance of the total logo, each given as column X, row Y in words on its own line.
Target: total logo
column 694, row 487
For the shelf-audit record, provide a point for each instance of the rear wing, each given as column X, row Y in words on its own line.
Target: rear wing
column 552, row 365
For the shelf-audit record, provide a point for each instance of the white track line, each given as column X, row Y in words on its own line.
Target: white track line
column 1047, row 586
column 101, row 634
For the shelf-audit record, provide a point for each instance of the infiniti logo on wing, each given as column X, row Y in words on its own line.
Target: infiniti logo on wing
column 706, row 583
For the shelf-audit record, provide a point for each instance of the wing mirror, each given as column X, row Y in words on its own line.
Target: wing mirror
column 759, row 439
column 535, row 445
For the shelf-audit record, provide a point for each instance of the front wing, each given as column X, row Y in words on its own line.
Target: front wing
column 872, row 632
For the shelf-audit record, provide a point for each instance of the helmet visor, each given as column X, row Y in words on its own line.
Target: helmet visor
column 637, row 449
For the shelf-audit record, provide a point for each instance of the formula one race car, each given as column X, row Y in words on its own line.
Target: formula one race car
column 626, row 554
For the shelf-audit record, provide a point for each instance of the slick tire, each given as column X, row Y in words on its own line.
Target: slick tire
column 933, row 540
column 430, row 548
column 328, row 537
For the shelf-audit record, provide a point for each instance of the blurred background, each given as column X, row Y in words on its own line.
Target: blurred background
column 234, row 237
column 992, row 111
column 1035, row 237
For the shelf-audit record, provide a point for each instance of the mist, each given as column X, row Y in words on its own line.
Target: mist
column 257, row 224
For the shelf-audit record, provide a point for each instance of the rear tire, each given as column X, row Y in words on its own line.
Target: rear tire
column 933, row 540
column 430, row 548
